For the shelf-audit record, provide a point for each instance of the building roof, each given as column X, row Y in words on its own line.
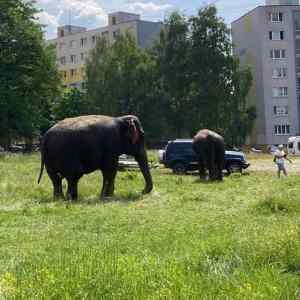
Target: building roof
column 103, row 28
column 263, row 6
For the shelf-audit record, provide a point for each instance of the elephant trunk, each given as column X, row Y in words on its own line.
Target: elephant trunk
column 143, row 164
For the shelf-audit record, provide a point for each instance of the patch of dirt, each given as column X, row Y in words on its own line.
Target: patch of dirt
column 266, row 164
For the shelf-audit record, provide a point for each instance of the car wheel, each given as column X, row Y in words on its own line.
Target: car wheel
column 234, row 168
column 179, row 168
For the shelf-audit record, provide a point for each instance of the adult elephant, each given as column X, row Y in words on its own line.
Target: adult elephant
column 210, row 150
column 77, row 146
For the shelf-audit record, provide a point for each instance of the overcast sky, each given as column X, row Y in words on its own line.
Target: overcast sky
column 93, row 13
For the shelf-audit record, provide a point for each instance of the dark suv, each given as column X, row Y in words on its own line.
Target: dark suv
column 180, row 157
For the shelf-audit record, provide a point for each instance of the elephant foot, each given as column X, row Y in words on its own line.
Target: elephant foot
column 71, row 197
column 106, row 198
column 147, row 189
column 58, row 196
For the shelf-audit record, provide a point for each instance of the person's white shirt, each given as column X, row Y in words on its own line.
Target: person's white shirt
column 279, row 154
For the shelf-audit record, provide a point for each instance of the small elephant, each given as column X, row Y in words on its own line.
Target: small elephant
column 210, row 150
column 77, row 146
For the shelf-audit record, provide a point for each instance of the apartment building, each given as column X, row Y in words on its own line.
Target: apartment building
column 73, row 43
column 268, row 40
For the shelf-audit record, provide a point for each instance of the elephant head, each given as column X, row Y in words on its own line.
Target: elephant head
column 133, row 143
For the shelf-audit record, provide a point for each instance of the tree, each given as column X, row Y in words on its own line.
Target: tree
column 122, row 79
column 29, row 79
column 72, row 104
column 240, row 116
column 189, row 80
column 211, row 64
column 200, row 77
column 172, row 54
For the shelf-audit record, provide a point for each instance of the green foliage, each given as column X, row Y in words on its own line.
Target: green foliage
column 122, row 79
column 211, row 62
column 240, row 118
column 72, row 104
column 201, row 78
column 187, row 81
column 186, row 240
column 29, row 80
column 172, row 55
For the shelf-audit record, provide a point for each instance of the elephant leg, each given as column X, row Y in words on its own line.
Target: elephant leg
column 220, row 169
column 104, row 186
column 212, row 165
column 220, row 164
column 201, row 168
column 57, row 184
column 213, row 171
column 72, row 192
column 219, row 173
column 109, row 176
column 111, row 183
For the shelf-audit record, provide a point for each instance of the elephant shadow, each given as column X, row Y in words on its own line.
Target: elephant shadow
column 207, row 181
column 94, row 201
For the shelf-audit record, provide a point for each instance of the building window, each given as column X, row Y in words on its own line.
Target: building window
column 276, row 17
column 114, row 20
column 116, row 33
column 93, row 39
column 82, row 56
column 73, row 44
column 62, row 60
column 64, row 75
column 62, row 33
column 282, row 129
column 297, row 20
column 280, row 110
column 73, row 59
column 280, row 92
column 278, row 53
column 61, row 45
column 279, row 73
column 73, row 73
column 105, row 35
column 83, row 42
column 242, row 52
column 276, row 35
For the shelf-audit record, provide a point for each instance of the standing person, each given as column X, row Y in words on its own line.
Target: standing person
column 279, row 159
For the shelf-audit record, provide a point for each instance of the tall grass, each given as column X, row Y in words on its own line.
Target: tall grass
column 186, row 240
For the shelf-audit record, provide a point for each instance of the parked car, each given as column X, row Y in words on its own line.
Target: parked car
column 294, row 145
column 16, row 148
column 179, row 156
column 127, row 162
column 272, row 149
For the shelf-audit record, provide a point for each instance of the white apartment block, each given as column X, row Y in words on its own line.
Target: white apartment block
column 268, row 40
column 73, row 43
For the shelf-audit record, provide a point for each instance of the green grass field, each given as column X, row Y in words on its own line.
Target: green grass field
column 186, row 240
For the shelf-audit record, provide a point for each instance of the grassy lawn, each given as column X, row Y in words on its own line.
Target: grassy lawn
column 187, row 240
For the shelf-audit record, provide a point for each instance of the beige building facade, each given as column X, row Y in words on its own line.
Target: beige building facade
column 73, row 43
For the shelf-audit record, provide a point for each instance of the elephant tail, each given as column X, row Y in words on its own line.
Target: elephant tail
column 41, row 172
column 42, row 160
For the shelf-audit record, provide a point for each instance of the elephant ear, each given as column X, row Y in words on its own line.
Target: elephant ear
column 133, row 132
